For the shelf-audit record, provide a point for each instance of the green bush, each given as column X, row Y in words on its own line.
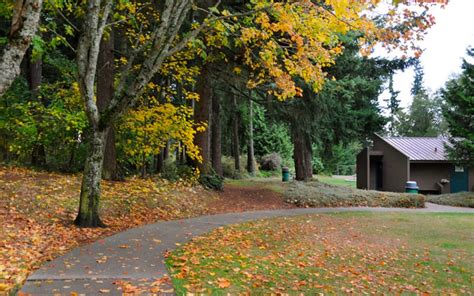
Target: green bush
column 173, row 172
column 212, row 181
column 461, row 199
column 317, row 194
column 317, row 165
column 228, row 167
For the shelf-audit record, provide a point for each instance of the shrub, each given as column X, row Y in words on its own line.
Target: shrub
column 317, row 165
column 228, row 167
column 173, row 172
column 270, row 162
column 212, row 181
column 461, row 199
column 317, row 194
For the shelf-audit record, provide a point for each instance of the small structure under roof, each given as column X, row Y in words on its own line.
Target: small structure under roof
column 392, row 161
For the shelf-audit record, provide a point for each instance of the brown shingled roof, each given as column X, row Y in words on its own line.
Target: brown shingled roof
column 420, row 148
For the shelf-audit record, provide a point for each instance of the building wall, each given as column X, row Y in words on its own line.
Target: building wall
column 396, row 166
column 427, row 175
column 362, row 167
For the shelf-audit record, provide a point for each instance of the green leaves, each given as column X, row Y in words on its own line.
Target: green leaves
column 38, row 45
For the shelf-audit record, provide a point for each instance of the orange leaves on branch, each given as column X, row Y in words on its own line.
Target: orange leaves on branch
column 283, row 41
column 295, row 40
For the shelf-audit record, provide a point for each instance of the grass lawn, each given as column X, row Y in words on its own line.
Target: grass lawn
column 394, row 253
column 336, row 181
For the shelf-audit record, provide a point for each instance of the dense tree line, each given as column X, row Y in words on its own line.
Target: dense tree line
column 113, row 88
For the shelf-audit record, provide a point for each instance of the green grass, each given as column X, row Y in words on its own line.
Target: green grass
column 461, row 199
column 382, row 253
column 270, row 183
column 336, row 181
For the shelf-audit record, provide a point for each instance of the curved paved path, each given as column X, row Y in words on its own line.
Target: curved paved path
column 136, row 255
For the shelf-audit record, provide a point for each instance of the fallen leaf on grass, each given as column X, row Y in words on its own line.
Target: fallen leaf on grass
column 223, row 283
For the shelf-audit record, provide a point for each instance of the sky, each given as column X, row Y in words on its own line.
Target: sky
column 444, row 48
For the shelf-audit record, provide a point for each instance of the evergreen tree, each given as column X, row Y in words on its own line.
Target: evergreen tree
column 423, row 117
column 417, row 86
column 459, row 112
column 393, row 106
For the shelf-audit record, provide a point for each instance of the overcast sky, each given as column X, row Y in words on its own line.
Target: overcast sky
column 444, row 47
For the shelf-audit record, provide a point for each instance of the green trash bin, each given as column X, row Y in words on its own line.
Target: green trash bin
column 285, row 174
column 411, row 187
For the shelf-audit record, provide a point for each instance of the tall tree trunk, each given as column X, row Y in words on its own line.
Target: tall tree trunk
column 71, row 157
column 308, row 155
column 90, row 190
column 160, row 161
column 216, row 137
column 25, row 20
column 87, row 56
column 235, row 133
column 202, row 113
column 105, row 92
column 298, row 157
column 250, row 150
column 166, row 150
column 34, row 69
column 34, row 74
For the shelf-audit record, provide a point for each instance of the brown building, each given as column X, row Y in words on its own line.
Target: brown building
column 392, row 161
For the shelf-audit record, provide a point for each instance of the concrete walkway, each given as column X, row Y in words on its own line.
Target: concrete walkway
column 136, row 255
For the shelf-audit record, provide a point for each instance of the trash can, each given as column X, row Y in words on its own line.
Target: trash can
column 285, row 174
column 411, row 187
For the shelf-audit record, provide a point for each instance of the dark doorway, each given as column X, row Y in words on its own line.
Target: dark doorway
column 376, row 172
column 379, row 175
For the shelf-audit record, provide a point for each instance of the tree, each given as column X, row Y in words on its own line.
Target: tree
column 393, row 106
column 87, row 55
column 25, row 20
column 216, row 137
column 423, row 117
column 345, row 110
column 145, row 60
column 417, row 87
column 459, row 113
column 105, row 91
column 202, row 113
column 235, row 133
column 250, row 147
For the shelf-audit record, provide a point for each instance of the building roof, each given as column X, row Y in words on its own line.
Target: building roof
column 420, row 148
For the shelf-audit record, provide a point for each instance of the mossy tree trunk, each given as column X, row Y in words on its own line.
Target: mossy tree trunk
column 88, row 215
